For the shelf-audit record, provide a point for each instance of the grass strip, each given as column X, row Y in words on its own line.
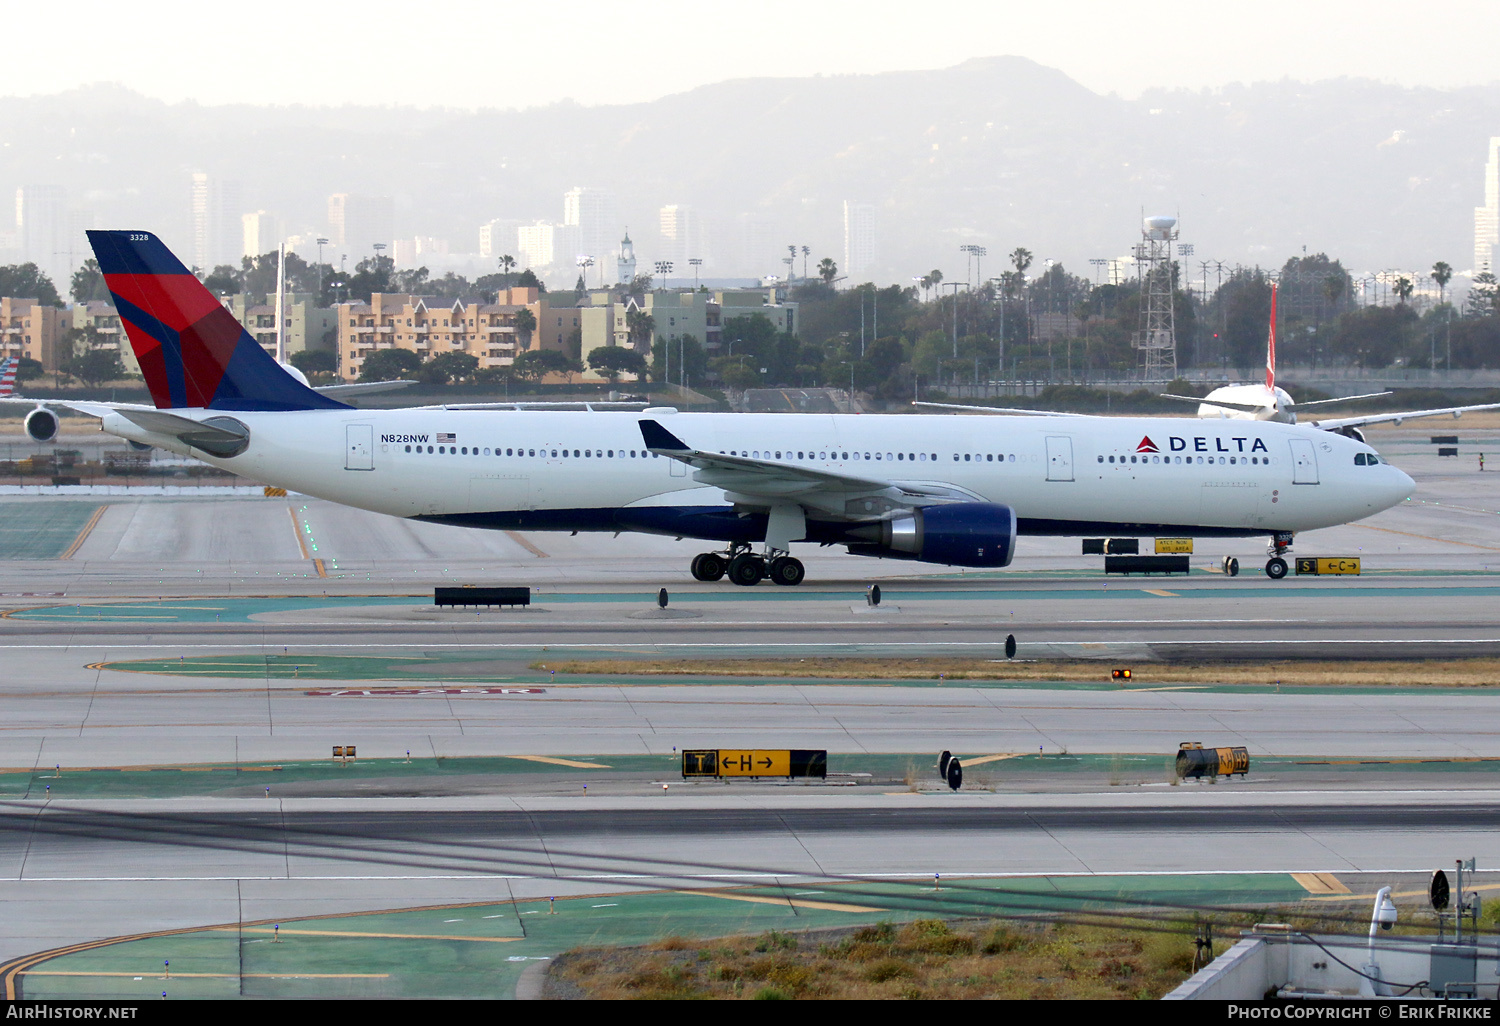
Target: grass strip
column 1465, row 673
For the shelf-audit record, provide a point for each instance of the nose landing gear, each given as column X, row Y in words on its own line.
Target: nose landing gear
column 1276, row 566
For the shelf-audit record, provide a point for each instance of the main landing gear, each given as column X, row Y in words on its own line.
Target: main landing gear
column 1276, row 566
column 747, row 569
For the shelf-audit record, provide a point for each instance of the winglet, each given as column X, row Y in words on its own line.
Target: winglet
column 658, row 438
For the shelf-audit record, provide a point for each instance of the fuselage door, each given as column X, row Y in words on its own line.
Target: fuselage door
column 1304, row 461
column 359, row 447
column 1059, row 458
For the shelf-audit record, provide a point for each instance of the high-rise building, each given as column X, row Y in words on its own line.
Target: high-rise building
column 262, row 233
column 218, row 232
column 758, row 252
column 498, row 237
column 42, row 231
column 683, row 236
column 1487, row 217
column 859, row 237
column 357, row 223
column 592, row 213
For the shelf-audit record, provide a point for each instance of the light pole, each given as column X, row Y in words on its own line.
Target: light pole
column 697, row 262
column 584, row 262
column 806, row 252
column 321, row 243
column 955, row 286
column 664, row 268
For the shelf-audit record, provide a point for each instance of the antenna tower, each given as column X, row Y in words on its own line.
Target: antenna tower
column 1157, row 337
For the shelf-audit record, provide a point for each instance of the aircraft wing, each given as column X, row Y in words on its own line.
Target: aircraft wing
column 1001, row 409
column 147, row 418
column 1396, row 418
column 575, row 405
column 1342, row 399
column 1243, row 407
column 752, row 481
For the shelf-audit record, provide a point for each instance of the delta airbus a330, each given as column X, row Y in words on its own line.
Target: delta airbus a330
column 938, row 488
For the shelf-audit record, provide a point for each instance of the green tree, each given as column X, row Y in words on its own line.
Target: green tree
column 315, row 362
column 1442, row 273
column 506, row 263
column 88, row 285
column 91, row 357
column 525, row 326
column 613, row 361
column 527, row 279
column 828, row 270
column 1403, row 289
column 371, row 275
column 1020, row 257
column 27, row 281
column 224, row 280
column 686, row 352
column 448, row 367
column 390, row 365
column 640, row 327
column 1484, row 296
column 29, row 370
column 535, row 364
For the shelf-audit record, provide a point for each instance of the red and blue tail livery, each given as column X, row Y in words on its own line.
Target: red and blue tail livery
column 192, row 352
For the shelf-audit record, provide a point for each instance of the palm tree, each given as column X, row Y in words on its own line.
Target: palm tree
column 525, row 325
column 1021, row 257
column 506, row 263
column 1403, row 288
column 827, row 270
column 1442, row 274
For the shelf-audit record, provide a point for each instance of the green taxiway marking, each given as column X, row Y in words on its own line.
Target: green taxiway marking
column 479, row 951
column 28, row 531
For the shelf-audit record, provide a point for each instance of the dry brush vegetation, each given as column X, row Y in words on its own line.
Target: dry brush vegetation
column 927, row 958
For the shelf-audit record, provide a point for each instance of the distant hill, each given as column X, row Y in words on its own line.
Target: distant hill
column 1002, row 152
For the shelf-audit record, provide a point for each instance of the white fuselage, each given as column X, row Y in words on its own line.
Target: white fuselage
column 590, row 470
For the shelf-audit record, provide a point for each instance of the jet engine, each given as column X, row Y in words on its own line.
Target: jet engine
column 41, row 424
column 960, row 534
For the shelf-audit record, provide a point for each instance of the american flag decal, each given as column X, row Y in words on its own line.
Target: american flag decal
column 443, row 436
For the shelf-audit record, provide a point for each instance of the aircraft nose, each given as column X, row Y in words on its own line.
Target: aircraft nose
column 1402, row 487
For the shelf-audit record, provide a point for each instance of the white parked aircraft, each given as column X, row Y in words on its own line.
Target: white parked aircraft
column 1269, row 402
column 941, row 489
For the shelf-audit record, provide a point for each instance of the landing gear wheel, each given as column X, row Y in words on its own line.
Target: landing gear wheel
column 747, row 570
column 1275, row 568
column 708, row 566
column 787, row 571
column 1231, row 566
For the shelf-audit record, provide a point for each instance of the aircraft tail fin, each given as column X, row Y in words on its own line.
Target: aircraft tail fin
column 191, row 350
column 1271, row 346
column 8, row 376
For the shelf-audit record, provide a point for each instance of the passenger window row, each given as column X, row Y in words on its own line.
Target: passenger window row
column 602, row 454
column 1261, row 461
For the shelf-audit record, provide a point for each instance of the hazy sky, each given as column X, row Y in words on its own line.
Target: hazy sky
column 458, row 53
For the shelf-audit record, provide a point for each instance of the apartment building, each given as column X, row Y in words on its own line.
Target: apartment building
column 308, row 326
column 603, row 320
column 31, row 329
column 110, row 331
column 426, row 326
